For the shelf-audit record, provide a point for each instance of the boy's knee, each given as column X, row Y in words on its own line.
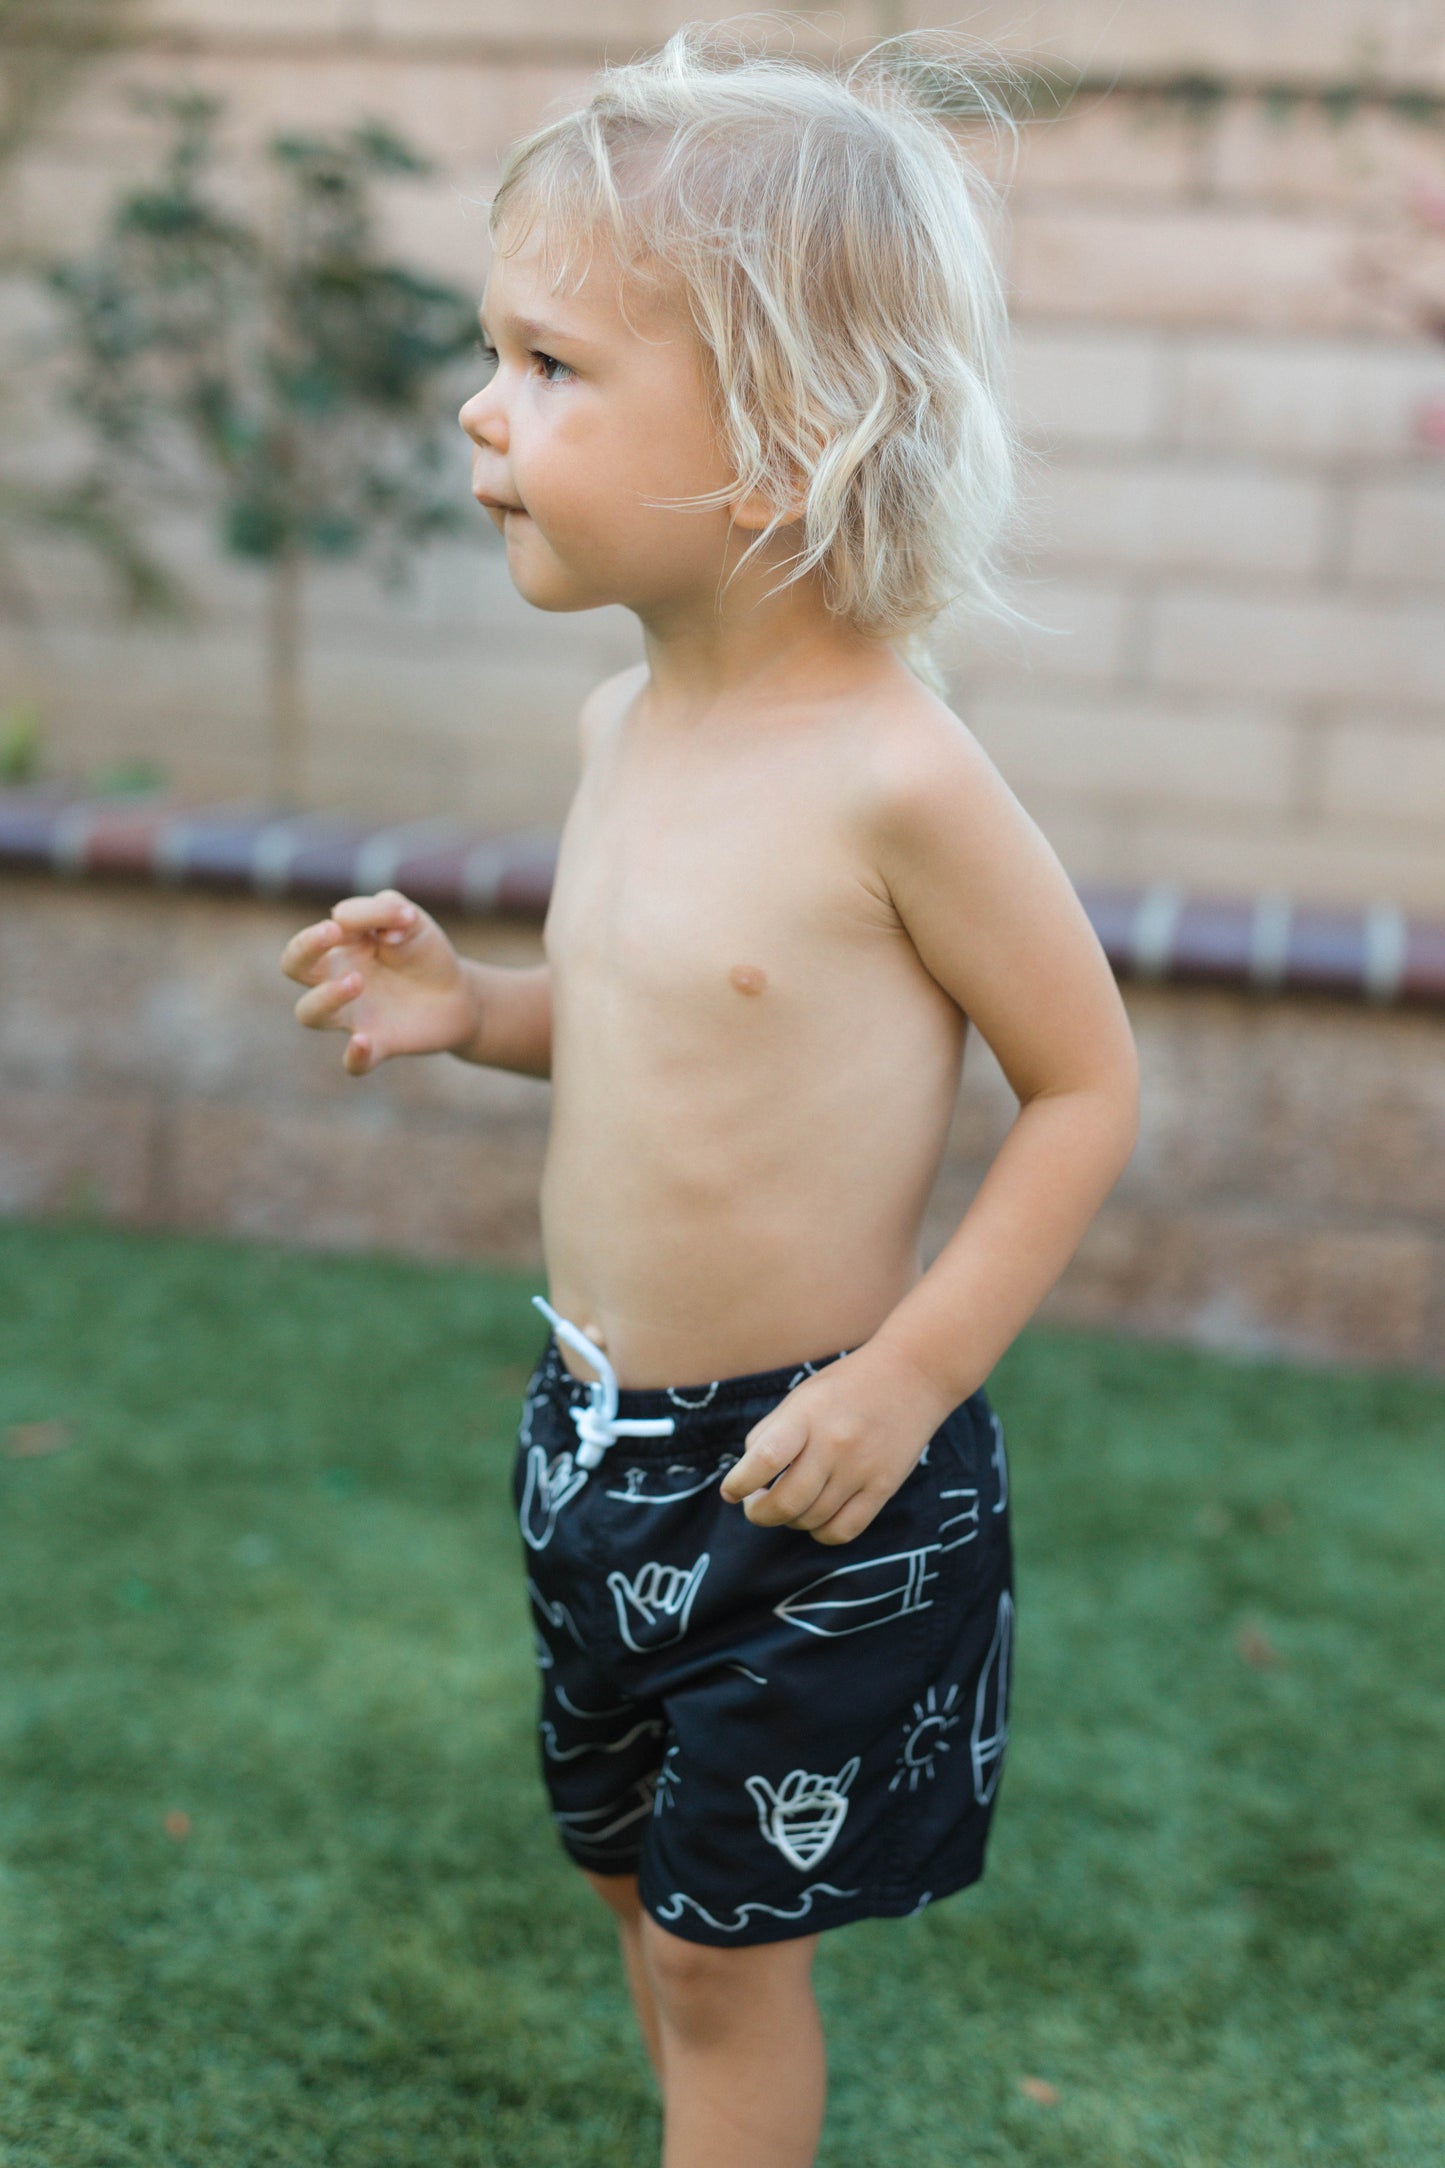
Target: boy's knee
column 702, row 1990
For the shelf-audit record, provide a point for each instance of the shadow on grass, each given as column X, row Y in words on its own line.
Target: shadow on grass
column 276, row 1882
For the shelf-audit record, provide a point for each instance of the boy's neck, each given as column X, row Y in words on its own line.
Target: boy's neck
column 755, row 650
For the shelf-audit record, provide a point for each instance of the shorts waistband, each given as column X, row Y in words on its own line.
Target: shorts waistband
column 656, row 1400
column 680, row 1408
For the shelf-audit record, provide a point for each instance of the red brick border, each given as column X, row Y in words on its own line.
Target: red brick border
column 1272, row 942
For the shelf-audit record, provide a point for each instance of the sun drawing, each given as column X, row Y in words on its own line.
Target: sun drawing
column 925, row 1740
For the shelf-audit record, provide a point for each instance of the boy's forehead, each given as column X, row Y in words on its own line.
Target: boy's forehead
column 598, row 301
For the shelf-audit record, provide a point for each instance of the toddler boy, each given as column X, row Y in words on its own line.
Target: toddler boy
column 746, row 338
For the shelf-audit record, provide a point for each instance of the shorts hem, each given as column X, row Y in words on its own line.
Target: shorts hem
column 608, row 1868
column 691, row 1922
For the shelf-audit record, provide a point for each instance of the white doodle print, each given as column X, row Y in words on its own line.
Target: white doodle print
column 673, row 1909
column 664, row 1486
column 653, row 1608
column 679, row 1398
column 553, row 1614
column 874, row 1590
column 668, row 1780
column 1000, row 1463
column 649, row 1726
column 550, row 1486
column 990, row 1714
column 592, row 1716
column 925, row 1899
column 756, row 1676
column 593, row 1827
column 924, row 1738
column 965, row 1520
column 804, row 1815
column 541, row 1651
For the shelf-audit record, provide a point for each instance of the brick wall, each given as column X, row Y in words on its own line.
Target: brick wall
column 1231, row 524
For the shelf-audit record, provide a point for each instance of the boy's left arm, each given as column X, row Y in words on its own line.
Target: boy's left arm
column 996, row 921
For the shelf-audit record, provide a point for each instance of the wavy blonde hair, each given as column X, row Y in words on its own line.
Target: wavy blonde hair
column 830, row 236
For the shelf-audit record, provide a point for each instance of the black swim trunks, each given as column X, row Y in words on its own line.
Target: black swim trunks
column 776, row 1735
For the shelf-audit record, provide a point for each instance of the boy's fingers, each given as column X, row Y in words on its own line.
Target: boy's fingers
column 305, row 949
column 771, row 1449
column 849, row 1521
column 361, row 1056
column 317, row 1010
column 389, row 911
column 795, row 1493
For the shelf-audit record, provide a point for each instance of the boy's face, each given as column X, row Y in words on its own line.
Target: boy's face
column 589, row 415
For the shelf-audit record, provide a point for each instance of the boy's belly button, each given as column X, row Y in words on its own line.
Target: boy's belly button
column 748, row 978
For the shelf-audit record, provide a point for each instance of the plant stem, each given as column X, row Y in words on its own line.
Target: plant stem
column 286, row 741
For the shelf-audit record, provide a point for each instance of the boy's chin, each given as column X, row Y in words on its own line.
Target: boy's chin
column 559, row 595
column 552, row 587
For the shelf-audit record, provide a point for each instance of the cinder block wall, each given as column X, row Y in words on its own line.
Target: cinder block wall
column 1231, row 520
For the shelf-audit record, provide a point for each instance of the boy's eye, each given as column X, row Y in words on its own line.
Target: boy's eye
column 555, row 372
column 487, row 355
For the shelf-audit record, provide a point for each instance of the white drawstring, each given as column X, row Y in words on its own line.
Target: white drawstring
column 599, row 1423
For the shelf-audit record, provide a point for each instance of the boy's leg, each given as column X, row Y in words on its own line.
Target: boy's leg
column 742, row 2051
column 619, row 1893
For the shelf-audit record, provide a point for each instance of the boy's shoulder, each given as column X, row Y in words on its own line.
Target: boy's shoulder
column 914, row 756
column 606, row 705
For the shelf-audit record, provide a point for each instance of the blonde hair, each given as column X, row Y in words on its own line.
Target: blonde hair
column 830, row 237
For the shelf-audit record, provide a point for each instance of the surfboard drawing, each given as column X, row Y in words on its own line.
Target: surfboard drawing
column 876, row 1590
column 990, row 1713
column 664, row 1486
column 1000, row 1463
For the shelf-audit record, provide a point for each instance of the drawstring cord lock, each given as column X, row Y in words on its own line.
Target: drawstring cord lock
column 599, row 1424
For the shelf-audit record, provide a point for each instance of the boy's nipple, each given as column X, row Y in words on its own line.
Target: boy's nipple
column 748, row 978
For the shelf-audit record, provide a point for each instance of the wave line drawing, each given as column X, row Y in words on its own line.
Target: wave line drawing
column 554, row 1752
column 590, row 1826
column 551, row 1484
column 592, row 1716
column 673, row 1908
column 653, row 1608
column 990, row 1712
column 803, row 1815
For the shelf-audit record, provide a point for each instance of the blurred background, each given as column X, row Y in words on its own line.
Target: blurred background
column 274, row 1883
column 241, row 575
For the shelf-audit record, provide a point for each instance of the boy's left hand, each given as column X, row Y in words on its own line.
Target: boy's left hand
column 839, row 1445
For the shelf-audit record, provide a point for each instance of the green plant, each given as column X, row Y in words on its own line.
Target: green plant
column 20, row 742
column 282, row 369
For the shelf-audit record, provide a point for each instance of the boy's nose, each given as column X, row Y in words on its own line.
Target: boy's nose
column 483, row 421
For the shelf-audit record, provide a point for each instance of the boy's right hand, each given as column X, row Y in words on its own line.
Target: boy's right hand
column 382, row 971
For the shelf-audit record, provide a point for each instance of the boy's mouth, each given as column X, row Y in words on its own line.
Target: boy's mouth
column 495, row 504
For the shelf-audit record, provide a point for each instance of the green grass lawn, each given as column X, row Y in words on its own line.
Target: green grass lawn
column 271, row 1584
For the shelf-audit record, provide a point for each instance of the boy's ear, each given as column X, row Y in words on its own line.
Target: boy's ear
column 755, row 510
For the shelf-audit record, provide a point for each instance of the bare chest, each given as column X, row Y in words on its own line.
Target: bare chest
column 739, row 897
